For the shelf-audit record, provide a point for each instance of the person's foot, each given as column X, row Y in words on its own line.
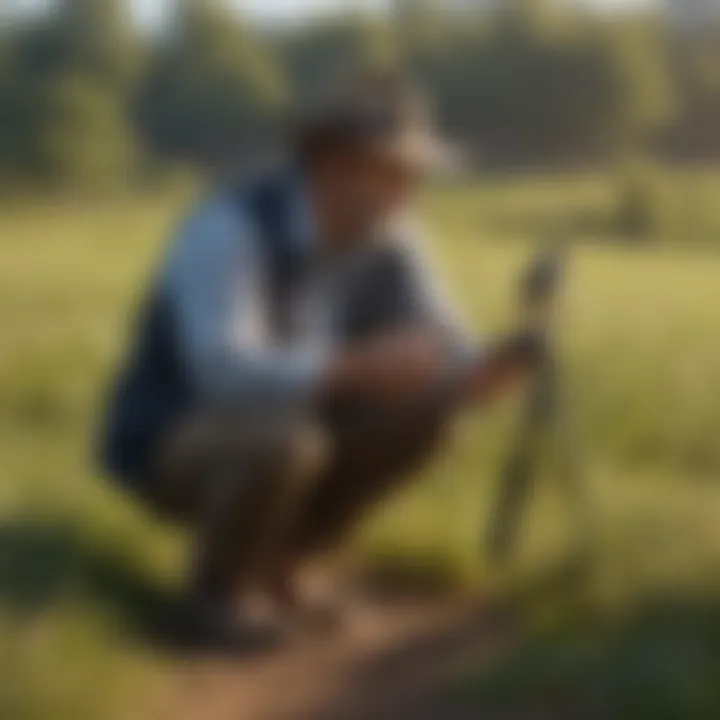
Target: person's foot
column 310, row 607
column 251, row 626
column 321, row 615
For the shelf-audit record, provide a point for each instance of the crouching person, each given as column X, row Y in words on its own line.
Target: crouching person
column 296, row 361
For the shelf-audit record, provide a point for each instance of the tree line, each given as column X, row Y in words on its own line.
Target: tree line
column 88, row 99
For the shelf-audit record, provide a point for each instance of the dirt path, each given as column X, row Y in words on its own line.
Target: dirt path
column 393, row 664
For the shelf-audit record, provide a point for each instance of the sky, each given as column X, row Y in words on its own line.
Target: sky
column 151, row 11
column 279, row 10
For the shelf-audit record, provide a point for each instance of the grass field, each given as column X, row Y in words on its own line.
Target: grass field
column 82, row 571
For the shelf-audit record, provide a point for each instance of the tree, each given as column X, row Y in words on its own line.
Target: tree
column 535, row 86
column 638, row 56
column 312, row 56
column 6, row 109
column 96, row 38
column 214, row 89
column 71, row 79
column 82, row 138
column 696, row 69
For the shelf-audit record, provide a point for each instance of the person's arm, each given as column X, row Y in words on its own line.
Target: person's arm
column 216, row 282
column 475, row 370
column 504, row 364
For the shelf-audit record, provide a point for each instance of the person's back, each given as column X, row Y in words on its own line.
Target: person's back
column 212, row 254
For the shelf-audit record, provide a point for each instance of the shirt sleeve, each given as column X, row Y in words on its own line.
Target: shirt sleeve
column 433, row 300
column 215, row 279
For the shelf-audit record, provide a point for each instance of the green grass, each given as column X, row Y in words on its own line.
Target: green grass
column 83, row 572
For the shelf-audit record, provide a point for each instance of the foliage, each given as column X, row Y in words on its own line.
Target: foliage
column 212, row 89
column 641, row 206
column 532, row 82
column 318, row 54
column 67, row 117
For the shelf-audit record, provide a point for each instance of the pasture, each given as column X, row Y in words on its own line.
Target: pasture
column 83, row 573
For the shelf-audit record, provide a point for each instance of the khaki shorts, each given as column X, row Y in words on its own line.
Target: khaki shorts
column 334, row 469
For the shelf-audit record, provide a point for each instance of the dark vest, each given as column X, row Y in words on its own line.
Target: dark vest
column 154, row 390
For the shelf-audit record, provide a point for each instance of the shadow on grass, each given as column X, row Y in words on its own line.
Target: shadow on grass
column 46, row 563
column 659, row 659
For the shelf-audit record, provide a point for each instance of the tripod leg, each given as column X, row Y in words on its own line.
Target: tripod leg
column 572, row 474
column 521, row 468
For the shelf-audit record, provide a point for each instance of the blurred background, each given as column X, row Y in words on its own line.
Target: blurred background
column 600, row 117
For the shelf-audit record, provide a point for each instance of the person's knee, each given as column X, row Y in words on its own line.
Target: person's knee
column 309, row 450
column 287, row 452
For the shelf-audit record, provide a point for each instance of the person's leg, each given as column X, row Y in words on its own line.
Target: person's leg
column 237, row 483
column 248, row 516
column 375, row 455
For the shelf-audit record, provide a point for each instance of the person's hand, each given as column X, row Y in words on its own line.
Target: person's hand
column 395, row 366
column 512, row 359
column 528, row 350
column 403, row 364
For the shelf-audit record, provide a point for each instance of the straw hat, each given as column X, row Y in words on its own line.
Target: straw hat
column 379, row 111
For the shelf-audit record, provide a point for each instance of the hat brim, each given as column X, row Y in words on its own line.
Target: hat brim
column 422, row 153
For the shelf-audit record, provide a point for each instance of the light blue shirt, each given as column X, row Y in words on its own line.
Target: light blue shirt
column 216, row 282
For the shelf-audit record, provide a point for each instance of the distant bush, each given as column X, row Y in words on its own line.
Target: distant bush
column 641, row 211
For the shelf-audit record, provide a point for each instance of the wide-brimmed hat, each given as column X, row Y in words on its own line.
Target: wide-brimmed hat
column 384, row 112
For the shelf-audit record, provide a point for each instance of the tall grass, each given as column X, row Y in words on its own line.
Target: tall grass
column 82, row 569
